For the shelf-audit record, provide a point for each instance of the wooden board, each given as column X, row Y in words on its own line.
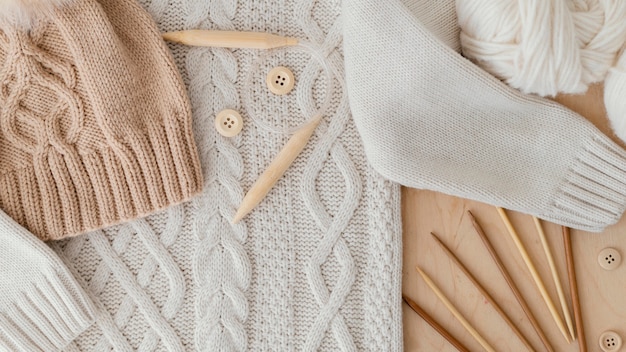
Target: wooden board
column 602, row 293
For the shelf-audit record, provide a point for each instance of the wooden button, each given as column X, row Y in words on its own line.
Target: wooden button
column 280, row 80
column 228, row 123
column 610, row 341
column 609, row 259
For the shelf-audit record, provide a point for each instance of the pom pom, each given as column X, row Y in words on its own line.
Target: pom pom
column 23, row 13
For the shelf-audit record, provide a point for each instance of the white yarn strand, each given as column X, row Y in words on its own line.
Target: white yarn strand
column 615, row 97
column 551, row 47
column 544, row 47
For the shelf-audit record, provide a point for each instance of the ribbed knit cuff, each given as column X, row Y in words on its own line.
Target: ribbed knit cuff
column 42, row 307
column 69, row 195
column 47, row 317
column 593, row 195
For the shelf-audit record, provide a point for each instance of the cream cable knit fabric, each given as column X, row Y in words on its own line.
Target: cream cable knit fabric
column 317, row 266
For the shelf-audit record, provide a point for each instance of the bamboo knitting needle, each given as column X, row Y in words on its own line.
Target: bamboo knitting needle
column 510, row 282
column 534, row 273
column 573, row 287
column 454, row 311
column 230, row 39
column 555, row 277
column 440, row 329
column 276, row 169
column 482, row 290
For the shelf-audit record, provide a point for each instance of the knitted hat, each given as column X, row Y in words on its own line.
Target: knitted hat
column 95, row 125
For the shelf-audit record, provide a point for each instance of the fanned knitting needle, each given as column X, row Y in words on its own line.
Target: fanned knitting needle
column 440, row 329
column 276, row 169
column 555, row 277
column 534, row 273
column 230, row 39
column 509, row 280
column 573, row 287
column 455, row 311
column 483, row 291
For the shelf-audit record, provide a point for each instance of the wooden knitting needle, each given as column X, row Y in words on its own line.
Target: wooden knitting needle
column 573, row 288
column 509, row 280
column 534, row 273
column 555, row 277
column 277, row 168
column 482, row 290
column 440, row 329
column 454, row 311
column 230, row 39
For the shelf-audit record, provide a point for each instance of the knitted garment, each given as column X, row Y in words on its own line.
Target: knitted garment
column 95, row 121
column 316, row 266
column 42, row 307
column 451, row 127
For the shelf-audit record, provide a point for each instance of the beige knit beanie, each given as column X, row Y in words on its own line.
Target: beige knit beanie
column 95, row 125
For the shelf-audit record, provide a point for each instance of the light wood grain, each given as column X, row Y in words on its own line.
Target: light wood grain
column 534, row 273
column 601, row 292
column 427, row 318
column 229, row 39
column 555, row 277
column 573, row 287
column 452, row 309
column 482, row 291
column 509, row 281
column 276, row 169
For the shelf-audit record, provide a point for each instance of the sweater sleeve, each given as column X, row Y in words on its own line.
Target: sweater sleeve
column 431, row 119
column 42, row 308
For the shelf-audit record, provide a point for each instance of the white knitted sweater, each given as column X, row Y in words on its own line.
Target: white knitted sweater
column 317, row 265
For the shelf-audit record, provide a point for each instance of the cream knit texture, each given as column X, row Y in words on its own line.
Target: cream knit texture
column 432, row 119
column 42, row 307
column 316, row 266
column 95, row 123
column 544, row 47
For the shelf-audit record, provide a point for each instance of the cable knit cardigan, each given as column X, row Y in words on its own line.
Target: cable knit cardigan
column 318, row 265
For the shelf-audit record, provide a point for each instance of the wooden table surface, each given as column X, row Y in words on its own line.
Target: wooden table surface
column 602, row 293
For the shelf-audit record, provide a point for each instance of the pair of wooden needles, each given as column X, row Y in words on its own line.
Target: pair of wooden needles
column 567, row 333
column 297, row 142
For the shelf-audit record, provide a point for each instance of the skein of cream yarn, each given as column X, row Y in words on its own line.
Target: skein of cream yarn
column 546, row 47
column 615, row 97
column 543, row 47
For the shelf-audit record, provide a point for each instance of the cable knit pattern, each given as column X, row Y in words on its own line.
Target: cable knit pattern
column 95, row 121
column 221, row 306
column 110, row 249
column 316, row 266
column 383, row 256
column 30, row 70
column 331, row 225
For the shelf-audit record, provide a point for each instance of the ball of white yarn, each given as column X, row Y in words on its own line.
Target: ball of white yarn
column 615, row 97
column 543, row 47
